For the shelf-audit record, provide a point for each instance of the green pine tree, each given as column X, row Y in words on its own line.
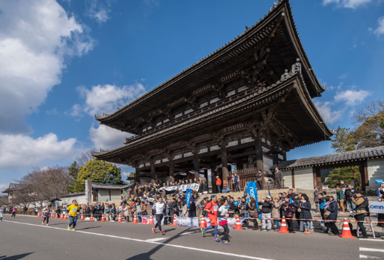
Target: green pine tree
column 98, row 172
column 73, row 171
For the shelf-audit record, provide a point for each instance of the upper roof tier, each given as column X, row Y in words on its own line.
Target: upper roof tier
column 275, row 34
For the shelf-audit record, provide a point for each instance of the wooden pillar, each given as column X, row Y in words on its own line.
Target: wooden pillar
column 314, row 177
column 152, row 171
column 363, row 169
column 213, row 180
column 293, row 178
column 196, row 166
column 171, row 171
column 224, row 164
column 259, row 155
column 319, row 183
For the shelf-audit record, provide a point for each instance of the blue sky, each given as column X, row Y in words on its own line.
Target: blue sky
column 62, row 62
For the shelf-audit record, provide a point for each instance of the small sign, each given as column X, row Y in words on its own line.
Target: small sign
column 376, row 207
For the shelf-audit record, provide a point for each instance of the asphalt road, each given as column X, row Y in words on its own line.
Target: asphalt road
column 24, row 237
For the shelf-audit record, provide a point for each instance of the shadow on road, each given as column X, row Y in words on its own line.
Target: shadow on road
column 15, row 257
column 88, row 228
column 148, row 254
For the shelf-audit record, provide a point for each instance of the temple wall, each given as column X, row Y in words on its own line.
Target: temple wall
column 287, row 178
column 375, row 170
column 304, row 178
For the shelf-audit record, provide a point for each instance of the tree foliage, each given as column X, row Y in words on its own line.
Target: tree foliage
column 343, row 140
column 369, row 122
column 42, row 185
column 73, row 171
column 345, row 174
column 99, row 172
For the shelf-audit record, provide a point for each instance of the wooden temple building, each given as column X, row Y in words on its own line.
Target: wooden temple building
column 247, row 103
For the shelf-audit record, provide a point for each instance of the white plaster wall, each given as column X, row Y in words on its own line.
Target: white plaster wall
column 375, row 170
column 115, row 195
column 287, row 176
column 68, row 201
column 304, row 178
column 103, row 195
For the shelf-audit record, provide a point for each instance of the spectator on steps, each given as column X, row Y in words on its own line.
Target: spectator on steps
column 259, row 180
column 278, row 178
column 218, row 184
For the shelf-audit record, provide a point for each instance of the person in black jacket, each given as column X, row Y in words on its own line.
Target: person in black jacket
column 192, row 209
column 349, row 192
column 232, row 207
column 332, row 207
column 266, row 213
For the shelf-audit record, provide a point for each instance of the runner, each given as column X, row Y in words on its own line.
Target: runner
column 72, row 211
column 13, row 212
column 46, row 213
column 1, row 214
column 223, row 215
column 212, row 208
column 158, row 207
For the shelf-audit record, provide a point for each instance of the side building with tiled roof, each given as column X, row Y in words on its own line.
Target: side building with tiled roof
column 306, row 173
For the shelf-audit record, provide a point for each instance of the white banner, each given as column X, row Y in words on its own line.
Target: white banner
column 183, row 187
column 145, row 220
column 376, row 207
column 187, row 222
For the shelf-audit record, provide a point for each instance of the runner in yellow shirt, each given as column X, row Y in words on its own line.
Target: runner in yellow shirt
column 72, row 210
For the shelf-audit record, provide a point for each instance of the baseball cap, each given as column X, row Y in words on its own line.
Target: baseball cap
column 268, row 197
column 212, row 196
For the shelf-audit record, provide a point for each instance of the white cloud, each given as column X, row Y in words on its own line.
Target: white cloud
column 352, row 97
column 98, row 10
column 75, row 111
column 106, row 98
column 343, row 76
column 35, row 38
column 18, row 151
column 330, row 116
column 353, row 4
column 53, row 111
column 380, row 29
column 107, row 138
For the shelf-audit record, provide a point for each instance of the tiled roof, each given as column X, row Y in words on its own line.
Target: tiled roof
column 376, row 152
column 110, row 186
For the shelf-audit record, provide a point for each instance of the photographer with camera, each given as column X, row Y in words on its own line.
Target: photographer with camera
column 361, row 210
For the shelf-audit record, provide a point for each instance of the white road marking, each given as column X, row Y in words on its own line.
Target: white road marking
column 156, row 239
column 146, row 241
column 367, row 256
column 375, row 240
column 184, row 234
column 371, row 249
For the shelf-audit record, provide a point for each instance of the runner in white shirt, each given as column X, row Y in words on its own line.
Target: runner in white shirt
column 158, row 208
column 1, row 214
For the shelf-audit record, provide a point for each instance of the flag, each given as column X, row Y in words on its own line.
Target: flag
column 252, row 191
column 188, row 196
column 290, row 201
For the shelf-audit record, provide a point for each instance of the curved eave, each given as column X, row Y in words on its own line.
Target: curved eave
column 281, row 6
column 293, row 79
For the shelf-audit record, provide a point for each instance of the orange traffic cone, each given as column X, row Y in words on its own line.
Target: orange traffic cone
column 91, row 219
column 61, row 217
column 57, row 215
column 134, row 220
column 174, row 224
column 150, row 221
column 102, row 218
column 119, row 219
column 283, row 227
column 346, row 233
column 65, row 216
column 38, row 214
column 82, row 216
column 203, row 223
column 238, row 224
